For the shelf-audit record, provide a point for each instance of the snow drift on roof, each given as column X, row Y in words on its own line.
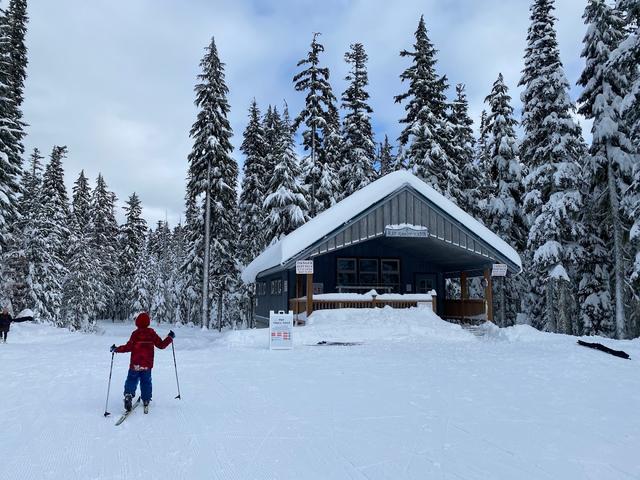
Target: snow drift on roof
column 329, row 220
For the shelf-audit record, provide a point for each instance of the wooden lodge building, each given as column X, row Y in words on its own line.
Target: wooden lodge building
column 397, row 236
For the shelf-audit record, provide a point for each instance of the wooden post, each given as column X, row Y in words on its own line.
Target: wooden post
column 488, row 294
column 309, row 294
column 464, row 295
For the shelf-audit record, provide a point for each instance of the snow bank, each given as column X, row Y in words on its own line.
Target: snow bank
column 374, row 325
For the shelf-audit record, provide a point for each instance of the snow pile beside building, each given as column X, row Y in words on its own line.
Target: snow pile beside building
column 367, row 325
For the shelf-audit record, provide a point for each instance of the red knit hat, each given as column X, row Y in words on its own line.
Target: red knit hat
column 143, row 320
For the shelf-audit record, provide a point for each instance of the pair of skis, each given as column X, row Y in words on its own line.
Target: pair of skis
column 135, row 405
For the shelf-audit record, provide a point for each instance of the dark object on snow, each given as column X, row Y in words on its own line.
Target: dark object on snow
column 602, row 348
column 106, row 404
column 324, row 343
column 126, row 414
column 5, row 323
column 175, row 366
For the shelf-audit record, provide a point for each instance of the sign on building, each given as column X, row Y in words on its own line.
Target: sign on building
column 499, row 270
column 405, row 230
column 280, row 330
column 304, row 267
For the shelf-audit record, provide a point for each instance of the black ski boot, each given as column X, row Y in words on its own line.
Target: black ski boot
column 146, row 407
column 127, row 402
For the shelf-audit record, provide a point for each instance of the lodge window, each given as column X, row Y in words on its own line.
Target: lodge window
column 276, row 287
column 368, row 271
column 347, row 274
column 262, row 288
column 390, row 271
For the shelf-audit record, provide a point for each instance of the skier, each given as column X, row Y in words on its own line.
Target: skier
column 5, row 323
column 141, row 345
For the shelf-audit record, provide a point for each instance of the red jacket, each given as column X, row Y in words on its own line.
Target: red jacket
column 141, row 344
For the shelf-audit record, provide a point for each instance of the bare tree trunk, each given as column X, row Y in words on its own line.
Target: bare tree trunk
column 550, row 314
column 219, row 312
column 614, row 204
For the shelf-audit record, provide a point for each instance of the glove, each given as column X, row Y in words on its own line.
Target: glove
column 171, row 334
column 112, row 348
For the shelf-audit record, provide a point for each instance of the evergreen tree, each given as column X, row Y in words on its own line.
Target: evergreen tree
column 608, row 173
column 142, row 288
column 386, row 158
column 103, row 234
column 50, row 247
column 427, row 134
column 551, row 150
column 20, row 259
column 314, row 80
column 254, row 148
column 504, row 203
column 325, row 170
column 211, row 134
column 11, row 133
column 80, row 287
column 463, row 154
column 358, row 146
column 16, row 23
column 192, row 261
column 285, row 208
column 131, row 239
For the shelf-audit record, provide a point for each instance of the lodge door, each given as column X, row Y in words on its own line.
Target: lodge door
column 425, row 282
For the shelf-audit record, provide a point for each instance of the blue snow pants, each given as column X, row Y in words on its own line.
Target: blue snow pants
column 130, row 385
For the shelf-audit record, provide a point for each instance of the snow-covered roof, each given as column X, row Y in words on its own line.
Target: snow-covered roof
column 326, row 222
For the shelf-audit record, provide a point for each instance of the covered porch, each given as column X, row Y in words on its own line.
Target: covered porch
column 400, row 273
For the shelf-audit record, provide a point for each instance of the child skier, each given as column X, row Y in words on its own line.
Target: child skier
column 141, row 345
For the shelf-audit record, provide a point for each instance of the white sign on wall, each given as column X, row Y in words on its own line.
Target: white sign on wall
column 280, row 330
column 405, row 230
column 499, row 270
column 304, row 267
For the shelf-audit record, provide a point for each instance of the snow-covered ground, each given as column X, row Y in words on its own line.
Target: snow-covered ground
column 420, row 399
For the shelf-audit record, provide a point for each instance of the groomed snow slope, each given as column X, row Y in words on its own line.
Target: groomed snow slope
column 420, row 399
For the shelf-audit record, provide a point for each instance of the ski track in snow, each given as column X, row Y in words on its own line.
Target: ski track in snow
column 419, row 399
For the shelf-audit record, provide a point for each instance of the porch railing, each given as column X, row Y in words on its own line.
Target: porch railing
column 470, row 308
column 299, row 305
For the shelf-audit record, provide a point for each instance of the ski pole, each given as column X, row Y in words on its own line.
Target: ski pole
column 106, row 414
column 176, row 369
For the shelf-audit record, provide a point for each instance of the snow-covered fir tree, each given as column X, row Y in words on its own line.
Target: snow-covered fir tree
column 386, row 158
column 463, row 153
column 211, row 134
column 358, row 145
column 80, row 287
column 12, row 71
column 18, row 273
column 503, row 208
column 285, row 208
column 325, row 170
column 551, row 150
column 192, row 261
column 103, row 234
column 131, row 239
column 427, row 134
column 50, row 247
column 608, row 174
column 314, row 80
column 142, row 286
column 254, row 148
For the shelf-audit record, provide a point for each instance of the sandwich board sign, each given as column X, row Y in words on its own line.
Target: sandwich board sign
column 280, row 330
column 304, row 267
column 499, row 270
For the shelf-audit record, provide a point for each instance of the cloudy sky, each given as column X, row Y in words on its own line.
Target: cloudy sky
column 113, row 80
